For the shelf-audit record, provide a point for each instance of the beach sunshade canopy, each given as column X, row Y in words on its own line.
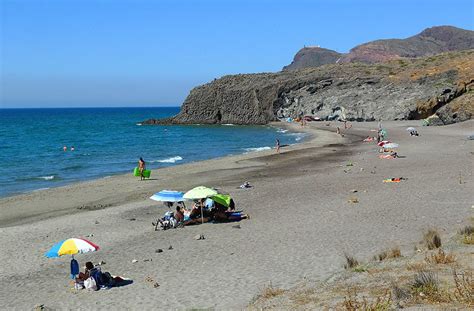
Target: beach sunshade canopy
column 71, row 247
column 411, row 129
column 222, row 199
column 390, row 146
column 200, row 192
column 168, row 196
column 383, row 142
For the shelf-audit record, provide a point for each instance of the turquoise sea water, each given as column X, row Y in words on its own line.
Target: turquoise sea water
column 108, row 141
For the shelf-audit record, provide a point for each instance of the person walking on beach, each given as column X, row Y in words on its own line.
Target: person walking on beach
column 277, row 145
column 141, row 167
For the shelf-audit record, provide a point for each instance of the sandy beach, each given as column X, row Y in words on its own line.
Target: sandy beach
column 301, row 221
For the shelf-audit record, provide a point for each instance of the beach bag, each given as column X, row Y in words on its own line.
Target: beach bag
column 74, row 268
column 168, row 221
column 90, row 284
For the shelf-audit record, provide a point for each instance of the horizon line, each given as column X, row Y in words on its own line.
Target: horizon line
column 89, row 107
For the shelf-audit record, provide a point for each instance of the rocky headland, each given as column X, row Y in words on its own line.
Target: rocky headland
column 403, row 86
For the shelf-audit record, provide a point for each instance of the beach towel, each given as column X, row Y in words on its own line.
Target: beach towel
column 394, row 179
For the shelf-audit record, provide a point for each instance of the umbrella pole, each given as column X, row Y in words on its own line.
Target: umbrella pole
column 202, row 214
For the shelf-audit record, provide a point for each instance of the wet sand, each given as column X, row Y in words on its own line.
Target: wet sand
column 301, row 221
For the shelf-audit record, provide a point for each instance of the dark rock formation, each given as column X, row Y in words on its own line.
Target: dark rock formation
column 313, row 57
column 430, row 41
column 396, row 90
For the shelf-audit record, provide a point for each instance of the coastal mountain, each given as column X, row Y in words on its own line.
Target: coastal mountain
column 430, row 41
column 313, row 56
column 399, row 89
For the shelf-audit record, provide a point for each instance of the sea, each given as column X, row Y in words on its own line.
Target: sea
column 109, row 141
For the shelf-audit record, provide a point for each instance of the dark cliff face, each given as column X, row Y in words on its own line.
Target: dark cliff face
column 395, row 90
column 429, row 42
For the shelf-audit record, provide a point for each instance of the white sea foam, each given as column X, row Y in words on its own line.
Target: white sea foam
column 139, row 124
column 282, row 131
column 228, row 124
column 257, row 149
column 47, row 177
column 40, row 189
column 169, row 160
column 298, row 136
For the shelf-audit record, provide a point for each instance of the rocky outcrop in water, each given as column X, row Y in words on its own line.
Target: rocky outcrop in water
column 396, row 90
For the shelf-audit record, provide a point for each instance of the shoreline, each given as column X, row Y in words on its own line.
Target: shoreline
column 302, row 220
column 11, row 214
column 120, row 173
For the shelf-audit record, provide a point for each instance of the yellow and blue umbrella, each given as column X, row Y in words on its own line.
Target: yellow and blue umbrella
column 70, row 247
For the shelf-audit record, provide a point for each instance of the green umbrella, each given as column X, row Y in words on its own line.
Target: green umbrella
column 200, row 192
column 222, row 199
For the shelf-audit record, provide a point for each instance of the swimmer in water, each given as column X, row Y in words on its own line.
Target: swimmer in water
column 72, row 148
column 64, row 148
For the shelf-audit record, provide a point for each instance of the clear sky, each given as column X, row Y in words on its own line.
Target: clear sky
column 70, row 53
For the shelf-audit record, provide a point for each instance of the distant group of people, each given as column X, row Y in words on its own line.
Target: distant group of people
column 72, row 148
column 203, row 210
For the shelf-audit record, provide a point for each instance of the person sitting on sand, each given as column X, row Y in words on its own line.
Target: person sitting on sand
column 141, row 167
column 101, row 278
column 86, row 274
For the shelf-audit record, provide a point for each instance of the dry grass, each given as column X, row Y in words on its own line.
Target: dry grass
column 387, row 254
column 304, row 297
column 432, row 239
column 416, row 266
column 351, row 262
column 380, row 303
column 467, row 234
column 269, row 292
column 440, row 257
column 464, row 287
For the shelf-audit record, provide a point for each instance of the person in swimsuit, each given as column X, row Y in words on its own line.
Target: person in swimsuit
column 141, row 168
column 277, row 145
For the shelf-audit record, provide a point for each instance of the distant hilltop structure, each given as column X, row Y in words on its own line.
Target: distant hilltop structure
column 429, row 42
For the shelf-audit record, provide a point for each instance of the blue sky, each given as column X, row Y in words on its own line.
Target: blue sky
column 71, row 53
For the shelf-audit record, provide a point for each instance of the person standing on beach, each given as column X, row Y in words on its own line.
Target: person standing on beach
column 141, row 167
column 277, row 145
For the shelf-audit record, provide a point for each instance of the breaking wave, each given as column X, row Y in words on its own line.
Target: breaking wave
column 168, row 160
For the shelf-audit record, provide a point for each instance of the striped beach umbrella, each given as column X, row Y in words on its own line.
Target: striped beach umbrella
column 168, row 196
column 71, row 247
column 383, row 142
column 390, row 146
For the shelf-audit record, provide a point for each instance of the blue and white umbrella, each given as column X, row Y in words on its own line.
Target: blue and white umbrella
column 168, row 196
